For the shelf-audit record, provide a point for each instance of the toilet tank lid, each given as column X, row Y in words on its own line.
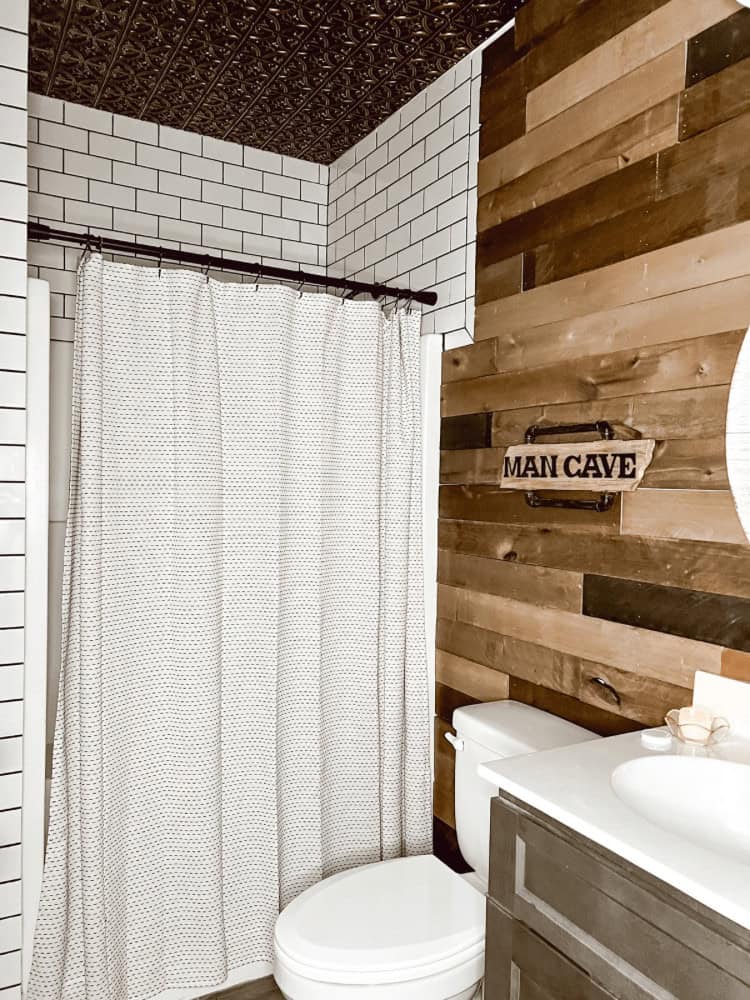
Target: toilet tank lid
column 510, row 727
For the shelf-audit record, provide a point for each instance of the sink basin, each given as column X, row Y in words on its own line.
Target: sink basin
column 702, row 799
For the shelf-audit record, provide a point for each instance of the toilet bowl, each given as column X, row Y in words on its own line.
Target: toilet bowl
column 411, row 928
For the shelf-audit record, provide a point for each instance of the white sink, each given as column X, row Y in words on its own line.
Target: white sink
column 702, row 799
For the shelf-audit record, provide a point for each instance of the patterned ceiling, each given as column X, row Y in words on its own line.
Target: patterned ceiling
column 308, row 78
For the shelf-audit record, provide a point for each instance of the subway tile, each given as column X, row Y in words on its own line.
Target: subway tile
column 10, row 969
column 288, row 229
column 451, row 264
column 12, row 428
column 221, row 194
column 259, row 201
column 11, row 574
column 451, row 211
column 12, row 532
column 454, row 156
column 423, row 276
column 414, row 108
column 32, row 130
column 412, row 158
column 243, row 177
column 311, row 233
column 199, row 211
column 302, row 169
column 63, row 185
column 12, row 314
column 397, row 240
column 386, row 222
column 398, row 191
column 179, row 185
column 261, row 159
column 261, row 246
column 95, row 167
column 304, row 211
column 13, row 239
column 176, row 139
column 60, row 281
column 10, row 892
column 425, row 175
column 93, row 119
column 288, row 187
column 115, row 195
column 13, row 202
column 298, row 252
column 138, row 131
column 12, row 353
column 13, row 87
column 44, row 206
column 153, row 203
column 197, row 166
column 46, row 157
column 438, row 192
column 376, row 160
column 364, row 235
column 13, row 49
column 426, row 124
column 136, row 223
column 85, row 214
column 11, row 676
column 355, row 218
column 179, row 231
column 63, row 136
column 375, row 251
column 12, row 495
column 12, row 163
column 411, row 208
column 222, row 239
column 11, row 750
column 400, row 143
column 236, row 218
column 12, row 277
column 439, row 140
column 386, row 176
column 10, row 934
column 157, row 157
column 133, row 176
column 460, row 179
column 455, row 102
column 220, row 149
column 317, row 193
column 61, row 329
column 112, row 147
column 32, row 179
column 10, row 827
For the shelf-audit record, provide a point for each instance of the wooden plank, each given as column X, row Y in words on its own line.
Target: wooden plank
column 656, row 368
column 641, row 651
column 471, row 430
column 607, row 466
column 506, row 277
column 695, row 312
column 695, row 565
column 538, row 18
column 698, row 514
column 626, row 143
column 490, row 503
column 692, row 614
column 574, row 212
column 716, row 204
column 448, row 699
column 649, row 37
column 597, row 720
column 536, row 584
column 641, row 698
column 719, row 152
column 645, row 87
column 499, row 56
column 503, row 128
column 703, row 260
column 716, row 99
column 443, row 801
column 697, row 463
column 685, row 414
column 475, row 679
column 718, row 47
column 445, row 847
column 735, row 665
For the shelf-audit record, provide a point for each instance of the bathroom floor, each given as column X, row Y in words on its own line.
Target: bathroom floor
column 259, row 989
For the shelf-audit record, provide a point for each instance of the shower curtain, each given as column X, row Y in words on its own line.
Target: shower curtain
column 243, row 706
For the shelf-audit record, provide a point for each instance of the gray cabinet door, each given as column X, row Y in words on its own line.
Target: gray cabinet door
column 636, row 937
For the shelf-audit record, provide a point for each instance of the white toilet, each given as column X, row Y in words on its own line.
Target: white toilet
column 411, row 929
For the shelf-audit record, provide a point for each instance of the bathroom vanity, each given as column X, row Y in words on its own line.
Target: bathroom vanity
column 570, row 920
column 620, row 868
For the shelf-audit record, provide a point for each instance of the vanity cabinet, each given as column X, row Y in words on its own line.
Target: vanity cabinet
column 568, row 920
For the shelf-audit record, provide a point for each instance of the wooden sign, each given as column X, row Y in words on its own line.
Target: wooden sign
column 603, row 466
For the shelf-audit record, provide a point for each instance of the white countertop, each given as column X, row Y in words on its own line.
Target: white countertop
column 572, row 785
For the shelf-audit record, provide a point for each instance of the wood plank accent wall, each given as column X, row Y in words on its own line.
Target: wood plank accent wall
column 613, row 282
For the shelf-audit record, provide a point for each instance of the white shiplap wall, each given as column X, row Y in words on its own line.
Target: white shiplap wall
column 13, row 210
column 402, row 202
column 89, row 168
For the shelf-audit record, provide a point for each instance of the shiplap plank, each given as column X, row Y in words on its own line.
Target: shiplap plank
column 475, row 679
column 538, row 585
column 703, row 260
column 556, row 703
column 661, row 367
column 490, row 503
column 644, row 88
column 444, row 785
column 695, row 565
column 664, row 657
column 715, row 99
column 645, row 40
column 628, row 142
column 718, row 46
column 703, row 515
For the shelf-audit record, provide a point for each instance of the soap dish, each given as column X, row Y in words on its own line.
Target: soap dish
column 696, row 728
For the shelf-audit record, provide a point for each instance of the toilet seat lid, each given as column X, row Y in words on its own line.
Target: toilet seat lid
column 410, row 914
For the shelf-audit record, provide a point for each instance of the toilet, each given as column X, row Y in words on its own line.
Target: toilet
column 411, row 928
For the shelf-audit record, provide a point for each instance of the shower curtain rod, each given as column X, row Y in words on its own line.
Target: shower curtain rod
column 107, row 244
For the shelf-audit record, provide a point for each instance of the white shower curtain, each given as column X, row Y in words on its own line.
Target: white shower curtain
column 243, row 705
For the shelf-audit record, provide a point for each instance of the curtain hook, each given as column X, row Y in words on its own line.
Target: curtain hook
column 299, row 289
column 160, row 252
column 206, row 263
column 100, row 243
column 259, row 275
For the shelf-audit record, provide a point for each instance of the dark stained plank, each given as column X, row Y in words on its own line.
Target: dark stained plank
column 506, row 277
column 499, row 56
column 447, row 700
column 538, row 18
column 718, row 152
column 713, row 205
column 693, row 614
column 718, row 568
column 596, row 719
column 257, row 989
column 503, row 127
column 490, row 503
column 716, row 99
column 445, row 846
column 717, row 47
column 470, row 430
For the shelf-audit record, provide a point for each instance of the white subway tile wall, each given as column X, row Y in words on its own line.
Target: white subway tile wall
column 13, row 211
column 134, row 179
column 402, row 203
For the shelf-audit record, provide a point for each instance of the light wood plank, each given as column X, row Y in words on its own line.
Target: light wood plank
column 490, row 503
column 703, row 260
column 697, row 514
column 650, row 37
column 641, row 651
column 474, row 679
column 647, row 86
column 536, row 584
column 659, row 368
column 635, row 139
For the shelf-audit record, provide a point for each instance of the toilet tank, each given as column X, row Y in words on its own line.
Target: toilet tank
column 487, row 732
